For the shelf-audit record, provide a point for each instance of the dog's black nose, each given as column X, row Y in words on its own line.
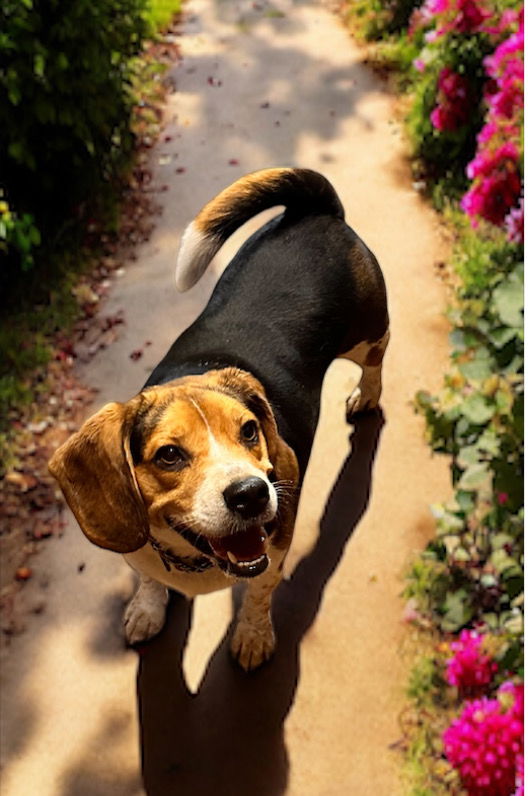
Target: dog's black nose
column 248, row 498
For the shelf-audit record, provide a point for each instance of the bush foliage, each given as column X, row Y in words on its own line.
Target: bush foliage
column 65, row 104
column 477, row 420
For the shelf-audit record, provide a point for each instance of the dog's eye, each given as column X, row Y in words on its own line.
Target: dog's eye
column 249, row 432
column 170, row 457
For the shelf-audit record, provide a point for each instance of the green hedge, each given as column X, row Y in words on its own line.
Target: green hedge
column 65, row 104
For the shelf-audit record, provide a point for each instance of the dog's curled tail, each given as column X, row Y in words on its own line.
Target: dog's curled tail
column 303, row 192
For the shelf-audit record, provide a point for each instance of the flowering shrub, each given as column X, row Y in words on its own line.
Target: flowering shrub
column 485, row 744
column 467, row 99
column 495, row 193
column 470, row 577
column 470, row 669
column 463, row 60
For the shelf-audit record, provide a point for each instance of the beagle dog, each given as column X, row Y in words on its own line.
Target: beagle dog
column 196, row 479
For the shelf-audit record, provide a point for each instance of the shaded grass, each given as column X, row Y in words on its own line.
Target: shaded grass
column 160, row 13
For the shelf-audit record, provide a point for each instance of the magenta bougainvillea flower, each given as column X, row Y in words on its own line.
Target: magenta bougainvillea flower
column 453, row 108
column 495, row 194
column 470, row 669
column 496, row 183
column 485, row 744
column 457, row 16
column 469, row 17
column 492, row 197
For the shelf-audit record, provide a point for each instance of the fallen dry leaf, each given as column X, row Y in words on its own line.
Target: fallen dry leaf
column 23, row 481
column 23, row 573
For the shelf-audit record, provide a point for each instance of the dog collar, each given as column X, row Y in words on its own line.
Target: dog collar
column 181, row 563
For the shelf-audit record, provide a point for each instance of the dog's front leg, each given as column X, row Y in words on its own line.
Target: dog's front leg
column 145, row 613
column 253, row 641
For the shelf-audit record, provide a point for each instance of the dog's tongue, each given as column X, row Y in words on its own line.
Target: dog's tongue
column 243, row 546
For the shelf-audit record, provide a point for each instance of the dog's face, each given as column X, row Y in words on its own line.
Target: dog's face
column 199, row 455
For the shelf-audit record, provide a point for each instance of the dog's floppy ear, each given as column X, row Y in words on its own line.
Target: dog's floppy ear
column 247, row 389
column 95, row 472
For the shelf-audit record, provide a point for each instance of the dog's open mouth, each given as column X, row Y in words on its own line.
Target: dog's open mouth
column 241, row 554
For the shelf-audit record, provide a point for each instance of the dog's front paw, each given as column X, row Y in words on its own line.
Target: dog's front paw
column 252, row 645
column 144, row 617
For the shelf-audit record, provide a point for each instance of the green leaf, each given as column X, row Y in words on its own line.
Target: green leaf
column 477, row 409
column 457, row 611
column 16, row 150
column 468, row 455
column 503, row 562
column 62, row 61
column 477, row 369
column 466, row 500
column 475, row 477
column 34, row 236
column 499, row 337
column 509, row 300
column 514, row 586
column 39, row 64
column 489, row 442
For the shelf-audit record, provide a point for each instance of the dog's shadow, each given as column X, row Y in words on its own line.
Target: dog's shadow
column 228, row 739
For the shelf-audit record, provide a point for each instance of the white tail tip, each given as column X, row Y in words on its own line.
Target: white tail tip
column 196, row 252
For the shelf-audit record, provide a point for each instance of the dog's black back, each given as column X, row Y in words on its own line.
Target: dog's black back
column 298, row 293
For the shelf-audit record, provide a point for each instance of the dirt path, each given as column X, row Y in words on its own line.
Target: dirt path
column 259, row 85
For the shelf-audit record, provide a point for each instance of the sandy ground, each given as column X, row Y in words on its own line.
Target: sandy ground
column 259, row 85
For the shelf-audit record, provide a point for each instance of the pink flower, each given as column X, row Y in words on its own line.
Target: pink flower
column 470, row 669
column 485, row 744
column 514, row 223
column 507, row 60
column 519, row 778
column 431, row 36
column 419, row 64
column 486, row 134
column 496, row 183
column 469, row 17
column 435, row 7
column 508, row 99
column 491, row 198
column 452, row 110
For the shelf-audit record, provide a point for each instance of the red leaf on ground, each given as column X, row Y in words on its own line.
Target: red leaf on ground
column 23, row 573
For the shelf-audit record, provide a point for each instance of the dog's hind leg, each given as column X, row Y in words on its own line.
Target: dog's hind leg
column 253, row 641
column 369, row 356
column 145, row 613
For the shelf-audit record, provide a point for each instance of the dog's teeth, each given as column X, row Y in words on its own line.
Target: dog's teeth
column 231, row 557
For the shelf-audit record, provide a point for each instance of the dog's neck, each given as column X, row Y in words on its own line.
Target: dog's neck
column 182, row 563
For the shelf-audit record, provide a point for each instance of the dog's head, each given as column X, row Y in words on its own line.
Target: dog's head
column 201, row 455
